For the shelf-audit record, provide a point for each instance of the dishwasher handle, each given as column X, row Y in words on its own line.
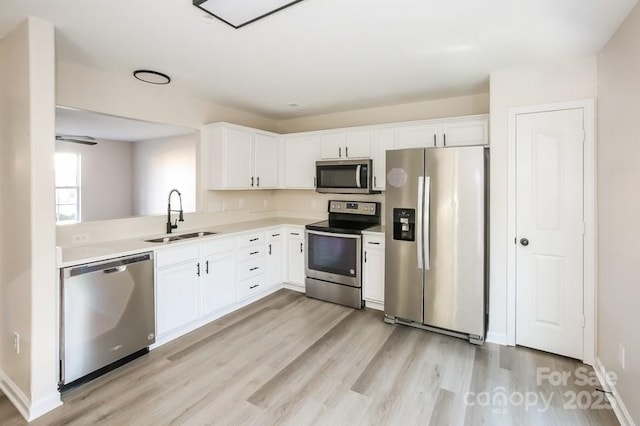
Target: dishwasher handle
column 108, row 266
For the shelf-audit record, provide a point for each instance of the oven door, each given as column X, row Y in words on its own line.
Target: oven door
column 334, row 257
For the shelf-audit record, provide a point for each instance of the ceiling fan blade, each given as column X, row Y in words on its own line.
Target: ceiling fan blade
column 85, row 140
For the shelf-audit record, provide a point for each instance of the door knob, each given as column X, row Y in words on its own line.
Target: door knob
column 524, row 242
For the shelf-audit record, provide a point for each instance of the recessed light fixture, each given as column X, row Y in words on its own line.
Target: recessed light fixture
column 239, row 13
column 152, row 77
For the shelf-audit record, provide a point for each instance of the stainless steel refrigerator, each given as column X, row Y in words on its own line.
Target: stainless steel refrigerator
column 436, row 233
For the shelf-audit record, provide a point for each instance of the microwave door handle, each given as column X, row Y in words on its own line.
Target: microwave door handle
column 358, row 183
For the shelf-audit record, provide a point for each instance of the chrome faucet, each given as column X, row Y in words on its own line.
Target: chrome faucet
column 180, row 217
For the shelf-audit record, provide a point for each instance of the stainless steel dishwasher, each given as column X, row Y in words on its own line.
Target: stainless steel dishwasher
column 107, row 316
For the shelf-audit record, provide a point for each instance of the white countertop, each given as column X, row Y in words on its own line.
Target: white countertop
column 79, row 254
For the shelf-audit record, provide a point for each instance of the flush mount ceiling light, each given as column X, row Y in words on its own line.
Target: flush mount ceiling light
column 153, row 77
column 239, row 13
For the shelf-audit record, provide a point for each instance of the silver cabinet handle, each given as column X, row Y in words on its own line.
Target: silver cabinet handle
column 340, row 151
column 301, row 248
column 253, row 239
column 294, row 233
column 434, row 139
column 444, row 139
column 198, row 270
column 373, row 242
column 269, row 248
column 251, row 180
column 258, row 179
column 346, row 151
column 255, row 268
column 365, row 256
column 253, row 286
column 206, row 267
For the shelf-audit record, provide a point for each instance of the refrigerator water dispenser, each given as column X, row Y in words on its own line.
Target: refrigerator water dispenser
column 404, row 224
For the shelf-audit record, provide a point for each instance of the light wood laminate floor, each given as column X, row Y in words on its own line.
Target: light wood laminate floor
column 292, row 360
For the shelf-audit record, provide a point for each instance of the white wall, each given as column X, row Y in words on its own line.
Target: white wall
column 438, row 108
column 106, row 178
column 618, row 207
column 122, row 95
column 564, row 81
column 28, row 279
column 161, row 165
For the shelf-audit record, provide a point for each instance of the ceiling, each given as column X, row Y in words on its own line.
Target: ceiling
column 74, row 122
column 325, row 55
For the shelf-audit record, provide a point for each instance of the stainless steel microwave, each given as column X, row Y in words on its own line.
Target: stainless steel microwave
column 345, row 177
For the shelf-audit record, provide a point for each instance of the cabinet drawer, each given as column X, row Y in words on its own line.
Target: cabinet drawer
column 372, row 241
column 218, row 246
column 175, row 255
column 251, row 252
column 250, row 239
column 250, row 268
column 251, row 286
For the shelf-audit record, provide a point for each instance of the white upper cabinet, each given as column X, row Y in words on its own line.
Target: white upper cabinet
column 239, row 157
column 265, row 160
column 300, row 153
column 383, row 141
column 344, row 145
column 465, row 132
column 417, row 136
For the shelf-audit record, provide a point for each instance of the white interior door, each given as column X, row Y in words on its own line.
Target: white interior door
column 550, row 231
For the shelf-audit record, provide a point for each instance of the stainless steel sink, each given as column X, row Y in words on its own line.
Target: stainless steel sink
column 180, row 237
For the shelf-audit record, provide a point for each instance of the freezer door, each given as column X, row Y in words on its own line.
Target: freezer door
column 455, row 279
column 404, row 263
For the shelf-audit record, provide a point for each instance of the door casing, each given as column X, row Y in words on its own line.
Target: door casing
column 590, row 237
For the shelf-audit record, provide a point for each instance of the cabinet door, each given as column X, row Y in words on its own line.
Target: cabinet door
column 466, row 133
column 275, row 259
column 238, row 158
column 266, row 161
column 358, row 144
column 218, row 281
column 295, row 257
column 301, row 153
column 373, row 274
column 417, row 136
column 332, row 146
column 177, row 297
column 383, row 141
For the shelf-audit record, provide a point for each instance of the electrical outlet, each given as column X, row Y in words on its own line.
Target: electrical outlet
column 621, row 356
column 80, row 238
column 16, row 342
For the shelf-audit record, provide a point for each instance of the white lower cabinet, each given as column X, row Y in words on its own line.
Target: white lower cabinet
column 275, row 256
column 201, row 281
column 219, row 275
column 373, row 271
column 295, row 256
column 177, row 295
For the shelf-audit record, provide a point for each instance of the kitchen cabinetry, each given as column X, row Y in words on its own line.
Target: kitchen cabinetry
column 373, row 271
column 384, row 140
column 295, row 256
column 177, row 288
column 299, row 162
column 463, row 131
column 342, row 145
column 218, row 275
column 275, row 256
column 251, row 264
column 239, row 157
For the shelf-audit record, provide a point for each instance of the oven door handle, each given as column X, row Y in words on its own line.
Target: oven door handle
column 358, row 183
column 334, row 234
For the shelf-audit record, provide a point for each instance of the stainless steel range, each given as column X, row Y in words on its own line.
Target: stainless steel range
column 334, row 252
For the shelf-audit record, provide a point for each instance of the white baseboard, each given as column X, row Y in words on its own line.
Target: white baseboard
column 44, row 405
column 295, row 287
column 614, row 398
column 30, row 411
column 497, row 338
column 374, row 305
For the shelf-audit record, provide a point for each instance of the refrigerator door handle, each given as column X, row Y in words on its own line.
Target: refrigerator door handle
column 426, row 222
column 419, row 222
column 358, row 183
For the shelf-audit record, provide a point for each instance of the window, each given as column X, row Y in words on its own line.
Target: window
column 67, row 169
